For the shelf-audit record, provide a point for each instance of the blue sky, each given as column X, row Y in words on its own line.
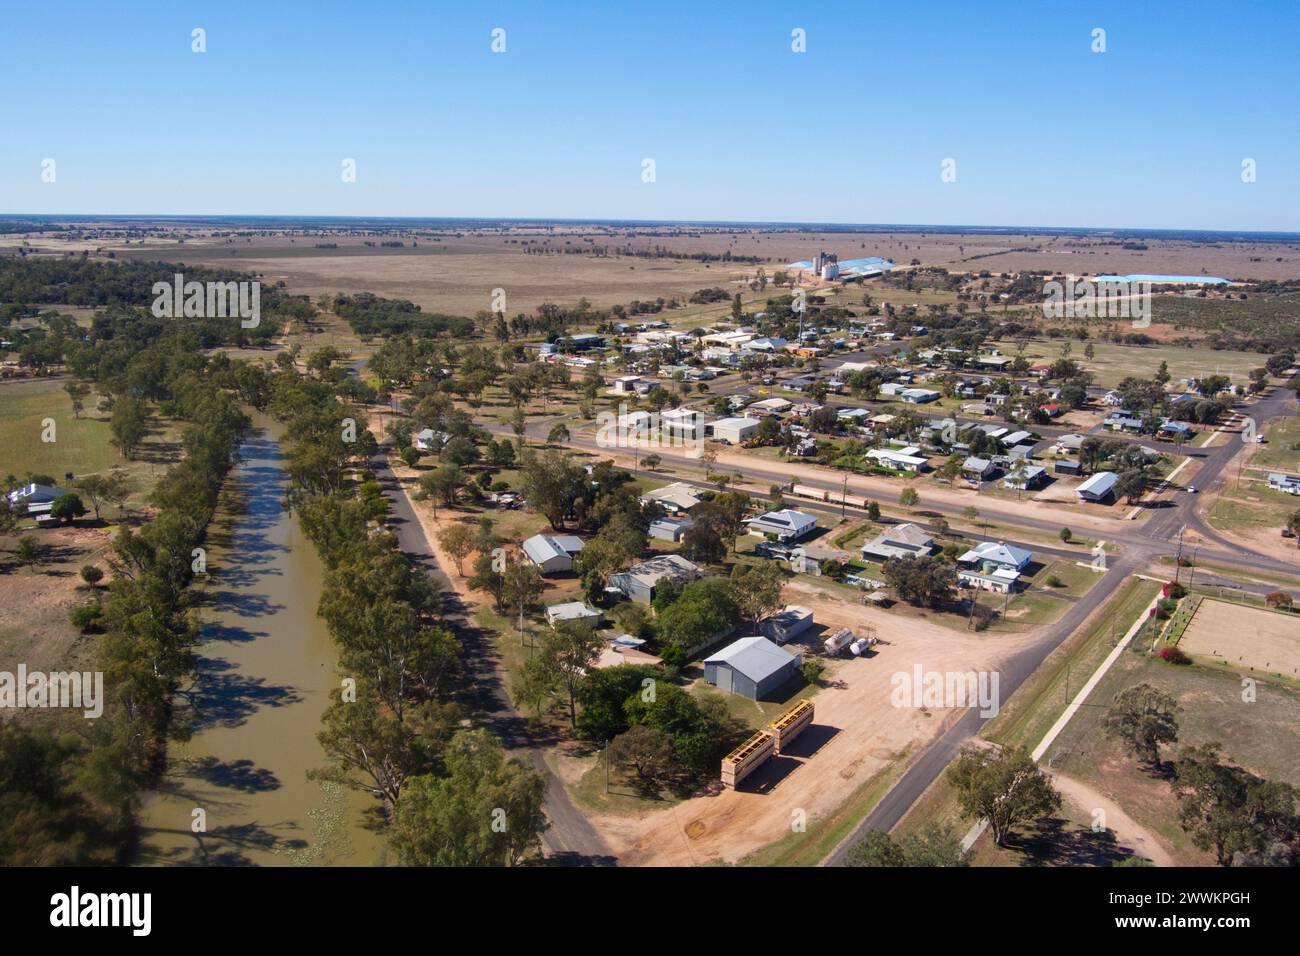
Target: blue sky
column 1152, row 133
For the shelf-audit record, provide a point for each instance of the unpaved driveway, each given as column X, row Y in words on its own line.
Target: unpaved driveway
column 1127, row 831
column 856, row 733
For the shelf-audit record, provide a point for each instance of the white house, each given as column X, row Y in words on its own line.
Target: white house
column 676, row 498
column 999, row 580
column 785, row 524
column 429, row 440
column 989, row 555
column 900, row 541
column 552, row 554
column 773, row 406
column 574, row 611
column 904, row 459
column 33, row 498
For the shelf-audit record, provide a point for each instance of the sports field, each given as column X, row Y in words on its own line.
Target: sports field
column 1245, row 637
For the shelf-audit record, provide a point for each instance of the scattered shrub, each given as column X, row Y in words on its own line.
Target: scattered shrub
column 1172, row 655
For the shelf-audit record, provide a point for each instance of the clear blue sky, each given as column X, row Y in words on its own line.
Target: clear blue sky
column 1151, row 133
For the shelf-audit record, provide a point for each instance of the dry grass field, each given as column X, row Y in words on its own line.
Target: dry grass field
column 454, row 268
column 1245, row 637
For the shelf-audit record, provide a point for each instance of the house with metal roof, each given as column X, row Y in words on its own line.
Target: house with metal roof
column 552, row 553
column 784, row 525
column 1026, row 478
column 752, row 667
column 1099, row 487
column 1283, row 482
column 899, row 541
column 639, row 581
column 791, row 621
column 904, row 459
column 999, row 580
column 33, row 498
column 670, row 529
column 574, row 611
column 990, row 555
column 676, row 498
column 979, row 468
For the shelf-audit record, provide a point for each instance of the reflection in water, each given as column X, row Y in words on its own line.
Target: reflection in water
column 266, row 667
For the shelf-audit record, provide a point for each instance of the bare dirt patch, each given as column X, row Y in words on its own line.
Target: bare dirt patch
column 857, row 732
column 1245, row 636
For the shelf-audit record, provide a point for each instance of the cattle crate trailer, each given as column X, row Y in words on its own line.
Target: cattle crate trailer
column 806, row 491
column 790, row 724
column 740, row 762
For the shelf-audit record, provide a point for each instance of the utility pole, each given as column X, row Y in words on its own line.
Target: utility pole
column 843, row 496
column 1178, row 557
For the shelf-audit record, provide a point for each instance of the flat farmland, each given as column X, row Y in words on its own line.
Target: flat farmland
column 459, row 278
column 1111, row 363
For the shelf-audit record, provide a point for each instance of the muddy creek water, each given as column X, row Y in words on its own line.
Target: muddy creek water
column 266, row 668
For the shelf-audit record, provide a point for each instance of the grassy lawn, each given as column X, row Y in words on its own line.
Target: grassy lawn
column 81, row 446
column 1250, row 506
column 1041, row 603
column 1282, row 450
column 1036, row 705
column 618, row 793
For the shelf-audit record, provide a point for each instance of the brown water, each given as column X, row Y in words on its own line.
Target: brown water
column 266, row 667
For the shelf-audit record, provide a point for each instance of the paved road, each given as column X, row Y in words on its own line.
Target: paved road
column 1157, row 535
column 1142, row 542
column 933, row 761
column 571, row 839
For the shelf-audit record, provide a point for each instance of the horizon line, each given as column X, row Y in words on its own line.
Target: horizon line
column 615, row 221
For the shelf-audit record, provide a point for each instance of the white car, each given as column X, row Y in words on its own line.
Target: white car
column 1191, row 489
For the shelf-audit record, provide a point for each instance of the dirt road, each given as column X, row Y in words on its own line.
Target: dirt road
column 1127, row 831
